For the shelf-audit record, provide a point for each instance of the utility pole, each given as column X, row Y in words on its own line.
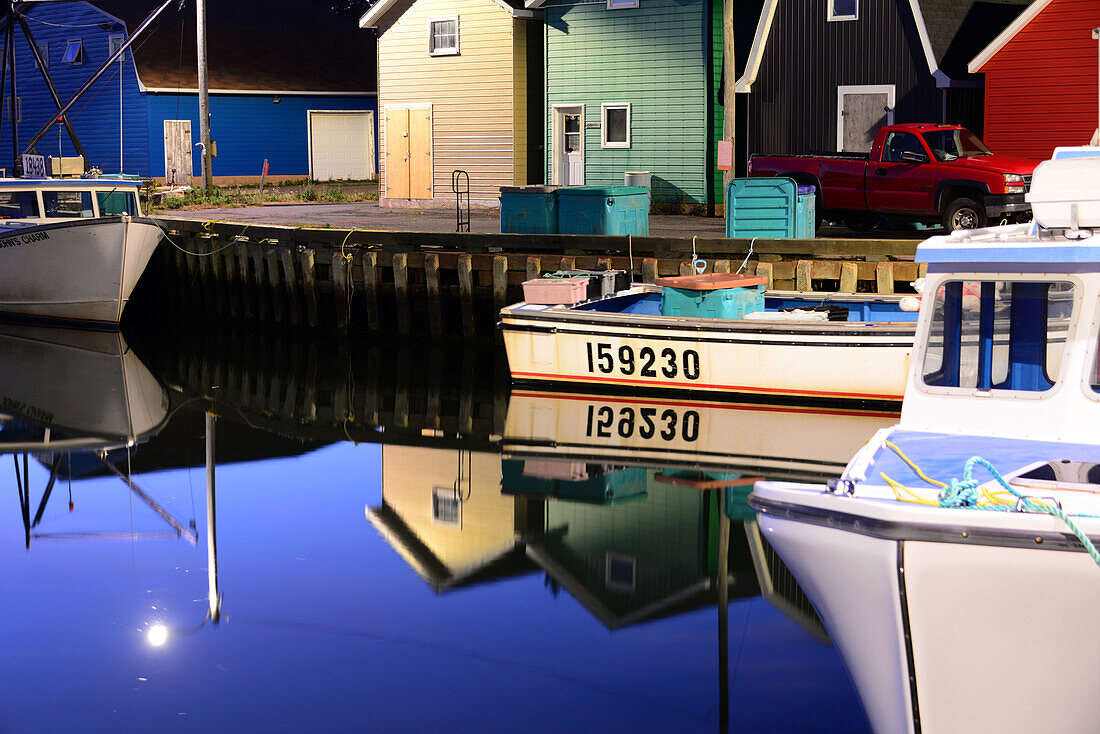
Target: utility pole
column 204, row 99
column 729, row 63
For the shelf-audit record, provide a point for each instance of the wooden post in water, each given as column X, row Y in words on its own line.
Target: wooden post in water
column 340, row 289
column 370, row 288
column 435, row 304
column 401, row 290
column 290, row 284
column 271, row 258
column 500, row 282
column 264, row 305
column 849, row 278
column 884, row 277
column 309, row 286
column 466, row 294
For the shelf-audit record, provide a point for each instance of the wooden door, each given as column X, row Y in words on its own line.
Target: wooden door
column 863, row 115
column 420, row 154
column 178, row 165
column 397, row 154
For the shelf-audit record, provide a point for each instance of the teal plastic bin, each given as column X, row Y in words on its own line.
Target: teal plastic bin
column 528, row 209
column 610, row 210
column 727, row 303
column 776, row 208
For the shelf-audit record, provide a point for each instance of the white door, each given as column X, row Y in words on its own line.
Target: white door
column 177, row 152
column 341, row 145
column 569, row 146
column 862, row 111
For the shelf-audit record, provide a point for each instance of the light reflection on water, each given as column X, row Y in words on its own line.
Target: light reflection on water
column 452, row 566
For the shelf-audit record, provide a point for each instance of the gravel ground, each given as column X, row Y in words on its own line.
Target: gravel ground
column 369, row 215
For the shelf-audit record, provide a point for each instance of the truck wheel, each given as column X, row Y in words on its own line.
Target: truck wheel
column 963, row 213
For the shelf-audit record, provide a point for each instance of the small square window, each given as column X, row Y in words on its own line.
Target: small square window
column 113, row 44
column 446, row 506
column 620, row 4
column 44, row 52
column 621, row 572
column 843, row 9
column 443, row 37
column 74, row 53
column 615, row 126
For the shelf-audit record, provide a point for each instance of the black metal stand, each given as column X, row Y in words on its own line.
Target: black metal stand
column 460, row 184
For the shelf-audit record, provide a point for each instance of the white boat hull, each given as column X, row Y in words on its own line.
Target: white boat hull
column 82, row 271
column 945, row 633
column 822, row 360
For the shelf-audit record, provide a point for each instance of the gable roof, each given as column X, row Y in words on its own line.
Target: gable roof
column 284, row 46
column 515, row 8
column 1006, row 35
column 953, row 31
column 950, row 32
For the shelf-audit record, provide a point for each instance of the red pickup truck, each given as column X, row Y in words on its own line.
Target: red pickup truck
column 914, row 172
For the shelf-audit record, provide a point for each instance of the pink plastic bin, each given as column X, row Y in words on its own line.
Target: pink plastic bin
column 555, row 290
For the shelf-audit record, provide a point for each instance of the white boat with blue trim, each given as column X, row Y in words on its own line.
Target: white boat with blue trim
column 791, row 349
column 71, row 250
column 953, row 562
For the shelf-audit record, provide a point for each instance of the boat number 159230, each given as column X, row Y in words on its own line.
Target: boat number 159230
column 649, row 362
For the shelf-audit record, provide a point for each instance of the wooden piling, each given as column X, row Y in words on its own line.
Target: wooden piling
column 271, row 258
column 803, row 275
column 259, row 282
column 289, row 284
column 534, row 267
column 649, row 270
column 466, row 294
column 229, row 264
column 500, row 282
column 435, row 303
column 568, row 263
column 849, row 275
column 309, row 286
column 401, row 290
column 340, row 288
column 884, row 277
column 370, row 288
column 765, row 269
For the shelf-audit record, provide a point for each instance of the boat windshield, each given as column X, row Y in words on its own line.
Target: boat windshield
column 18, row 204
column 68, row 204
column 947, row 145
column 113, row 203
column 998, row 335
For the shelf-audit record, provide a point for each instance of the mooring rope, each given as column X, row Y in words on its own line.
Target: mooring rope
column 964, row 494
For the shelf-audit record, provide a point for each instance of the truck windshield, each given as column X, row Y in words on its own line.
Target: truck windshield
column 947, row 145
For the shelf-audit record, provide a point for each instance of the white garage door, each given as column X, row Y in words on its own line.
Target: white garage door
column 341, row 145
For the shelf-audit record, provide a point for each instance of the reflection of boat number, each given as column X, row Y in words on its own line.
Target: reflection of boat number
column 646, row 422
column 649, row 363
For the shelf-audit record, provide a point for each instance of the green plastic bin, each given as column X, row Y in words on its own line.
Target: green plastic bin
column 775, row 208
column 609, row 210
column 528, row 209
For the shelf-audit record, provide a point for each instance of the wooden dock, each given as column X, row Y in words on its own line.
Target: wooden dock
column 455, row 284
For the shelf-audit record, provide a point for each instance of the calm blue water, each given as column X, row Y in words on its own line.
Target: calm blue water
column 408, row 585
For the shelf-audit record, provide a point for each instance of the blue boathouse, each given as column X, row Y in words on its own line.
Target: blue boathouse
column 290, row 83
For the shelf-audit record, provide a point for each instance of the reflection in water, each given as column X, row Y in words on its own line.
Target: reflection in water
column 498, row 507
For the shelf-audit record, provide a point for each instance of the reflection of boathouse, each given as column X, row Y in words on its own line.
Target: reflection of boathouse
column 443, row 512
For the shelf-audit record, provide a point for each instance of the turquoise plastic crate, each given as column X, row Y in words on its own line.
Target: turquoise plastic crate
column 608, row 210
column 725, row 303
column 774, row 208
column 528, row 209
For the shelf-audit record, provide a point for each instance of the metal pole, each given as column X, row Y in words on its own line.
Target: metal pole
column 204, row 98
column 14, row 99
column 4, row 80
column 211, row 525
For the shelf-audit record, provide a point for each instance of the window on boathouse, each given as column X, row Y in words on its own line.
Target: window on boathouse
column 18, row 204
column 998, row 335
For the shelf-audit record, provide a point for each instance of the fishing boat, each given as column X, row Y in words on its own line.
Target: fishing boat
column 953, row 561
column 788, row 345
column 71, row 250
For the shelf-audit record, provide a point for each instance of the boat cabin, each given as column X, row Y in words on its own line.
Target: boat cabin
column 1011, row 325
column 40, row 201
